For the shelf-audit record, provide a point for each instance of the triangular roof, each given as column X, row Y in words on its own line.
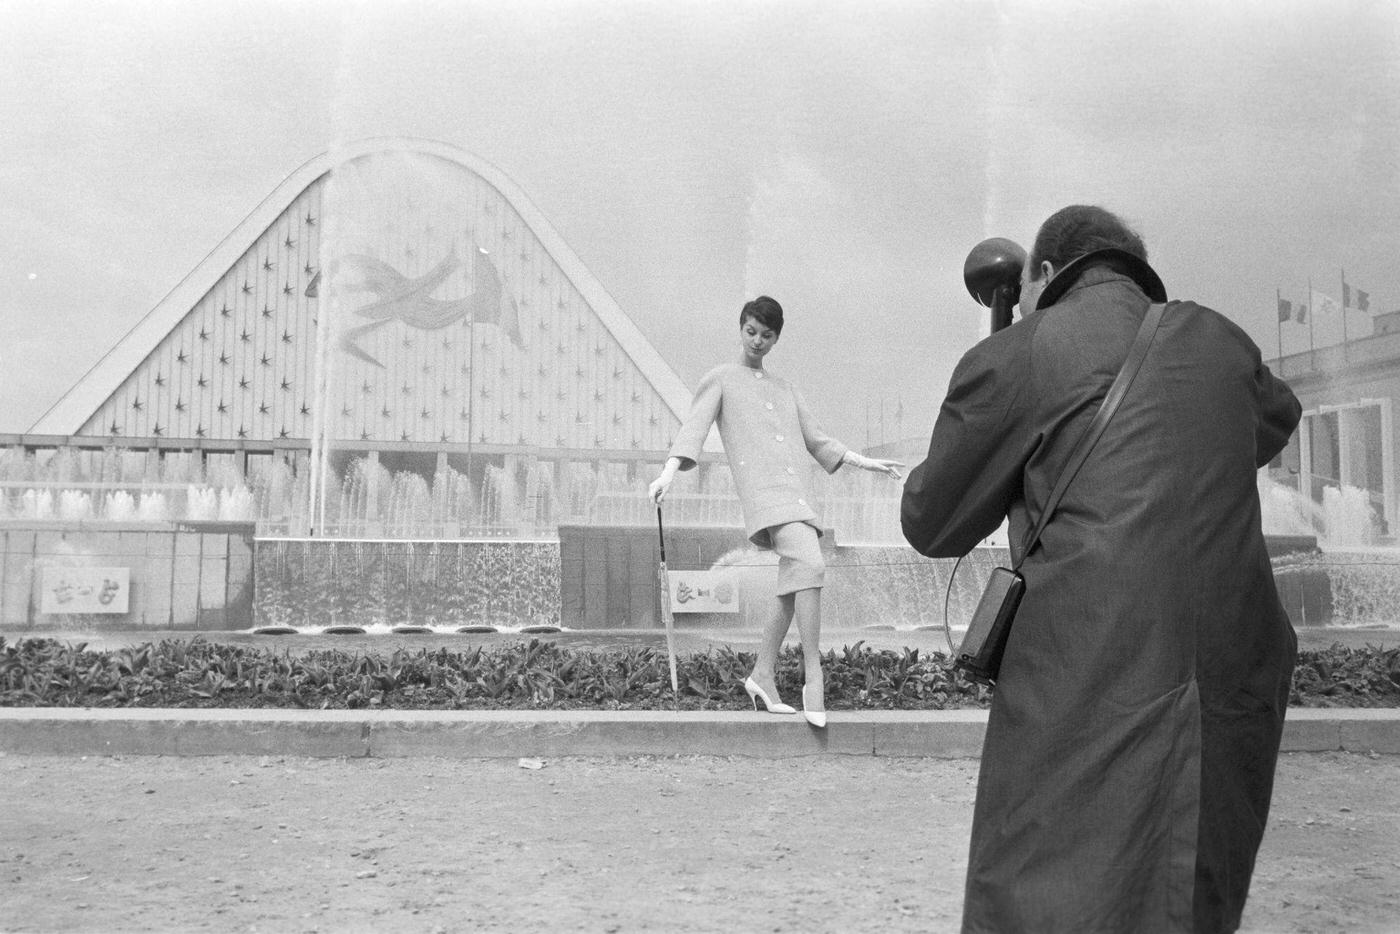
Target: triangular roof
column 231, row 351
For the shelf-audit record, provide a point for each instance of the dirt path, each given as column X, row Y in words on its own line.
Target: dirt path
column 611, row 845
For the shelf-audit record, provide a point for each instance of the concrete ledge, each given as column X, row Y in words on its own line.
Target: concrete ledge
column 514, row 733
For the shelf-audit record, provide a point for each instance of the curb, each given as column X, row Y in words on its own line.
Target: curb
column 940, row 734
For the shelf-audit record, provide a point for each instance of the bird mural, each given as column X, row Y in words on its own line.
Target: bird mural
column 398, row 297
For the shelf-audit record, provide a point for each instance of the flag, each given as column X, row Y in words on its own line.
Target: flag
column 1285, row 310
column 1363, row 299
column 1323, row 303
column 1300, row 311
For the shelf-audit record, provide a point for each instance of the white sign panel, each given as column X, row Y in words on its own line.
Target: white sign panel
column 85, row 590
column 703, row 592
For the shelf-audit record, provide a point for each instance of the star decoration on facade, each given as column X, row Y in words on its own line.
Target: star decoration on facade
column 242, row 432
column 364, row 436
column 404, row 436
column 444, row 437
column 181, row 357
column 446, row 392
column 160, row 380
column 310, row 221
column 246, row 287
column 224, row 312
column 116, row 429
column 385, row 411
column 287, row 289
column 199, row 431
column 203, row 334
column 179, row 404
column 223, row 407
column 308, row 270
column 245, row 337
column 283, row 433
column 426, row 414
column 266, row 312
column 366, row 388
column 427, row 368
column 265, row 360
column 136, row 403
column 267, row 264
column 157, row 430
column 223, row 358
column 242, row 382
column 286, row 337
column 202, row 383
column 286, row 385
column 289, row 242
column 407, row 389
column 263, row 408
column 408, row 343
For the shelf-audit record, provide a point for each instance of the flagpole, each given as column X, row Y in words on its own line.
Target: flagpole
column 1312, row 317
column 1278, row 323
column 1344, row 312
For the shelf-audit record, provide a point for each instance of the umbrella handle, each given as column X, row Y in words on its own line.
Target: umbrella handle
column 660, row 533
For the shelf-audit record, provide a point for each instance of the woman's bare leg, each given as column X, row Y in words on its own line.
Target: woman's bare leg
column 808, row 610
column 775, row 629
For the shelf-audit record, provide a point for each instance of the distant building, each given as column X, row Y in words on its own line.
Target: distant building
column 1349, row 393
column 399, row 300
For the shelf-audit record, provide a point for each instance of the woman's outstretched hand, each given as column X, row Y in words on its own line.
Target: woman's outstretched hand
column 875, row 464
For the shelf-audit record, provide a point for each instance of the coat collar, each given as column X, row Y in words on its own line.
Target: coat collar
column 1134, row 267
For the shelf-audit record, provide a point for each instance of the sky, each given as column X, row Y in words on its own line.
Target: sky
column 842, row 157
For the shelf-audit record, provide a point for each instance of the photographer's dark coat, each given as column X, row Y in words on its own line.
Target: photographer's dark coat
column 1133, row 734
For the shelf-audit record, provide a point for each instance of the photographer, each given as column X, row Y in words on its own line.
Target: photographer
column 1135, row 725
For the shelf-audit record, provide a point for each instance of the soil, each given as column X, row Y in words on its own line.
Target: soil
column 843, row 844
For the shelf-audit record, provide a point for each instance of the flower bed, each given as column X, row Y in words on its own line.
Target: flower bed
column 541, row 675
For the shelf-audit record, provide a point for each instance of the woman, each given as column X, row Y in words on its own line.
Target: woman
column 767, row 429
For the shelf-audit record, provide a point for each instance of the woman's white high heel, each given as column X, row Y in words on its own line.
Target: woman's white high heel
column 756, row 693
column 815, row 714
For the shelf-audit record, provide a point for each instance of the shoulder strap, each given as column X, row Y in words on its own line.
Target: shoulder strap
column 1116, row 392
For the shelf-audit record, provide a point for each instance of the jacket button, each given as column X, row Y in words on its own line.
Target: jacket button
column 802, row 502
column 777, row 437
column 768, row 405
column 757, row 374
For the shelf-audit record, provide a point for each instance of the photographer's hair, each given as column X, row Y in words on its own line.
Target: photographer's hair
column 1078, row 229
column 766, row 311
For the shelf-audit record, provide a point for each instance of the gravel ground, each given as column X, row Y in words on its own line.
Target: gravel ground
column 842, row 844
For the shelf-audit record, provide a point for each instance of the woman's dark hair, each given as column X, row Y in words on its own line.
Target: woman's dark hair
column 766, row 311
column 1078, row 229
